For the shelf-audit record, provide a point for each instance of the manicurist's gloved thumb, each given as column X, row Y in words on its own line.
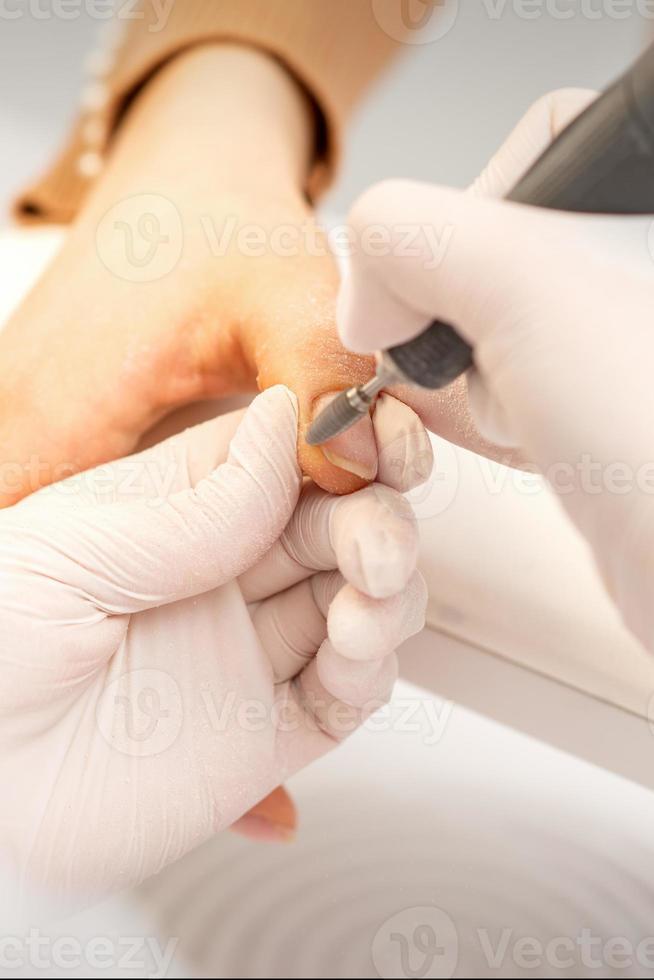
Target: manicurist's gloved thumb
column 141, row 552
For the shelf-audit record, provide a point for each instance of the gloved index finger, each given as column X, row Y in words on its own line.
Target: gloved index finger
column 371, row 536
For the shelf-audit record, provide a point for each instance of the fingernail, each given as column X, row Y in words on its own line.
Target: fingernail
column 258, row 828
column 403, row 445
column 354, row 450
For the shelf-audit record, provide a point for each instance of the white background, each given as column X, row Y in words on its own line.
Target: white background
column 437, row 115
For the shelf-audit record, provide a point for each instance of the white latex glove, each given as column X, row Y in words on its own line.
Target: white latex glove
column 559, row 310
column 144, row 704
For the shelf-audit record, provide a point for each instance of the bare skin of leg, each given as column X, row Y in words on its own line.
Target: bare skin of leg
column 94, row 357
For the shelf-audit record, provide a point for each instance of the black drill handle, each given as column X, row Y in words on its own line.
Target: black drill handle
column 602, row 163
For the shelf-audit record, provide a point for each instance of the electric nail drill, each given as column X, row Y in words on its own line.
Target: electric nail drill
column 603, row 163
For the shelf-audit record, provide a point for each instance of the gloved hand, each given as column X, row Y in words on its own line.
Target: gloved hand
column 178, row 634
column 558, row 308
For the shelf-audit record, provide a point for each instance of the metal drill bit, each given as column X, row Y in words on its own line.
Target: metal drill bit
column 350, row 406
